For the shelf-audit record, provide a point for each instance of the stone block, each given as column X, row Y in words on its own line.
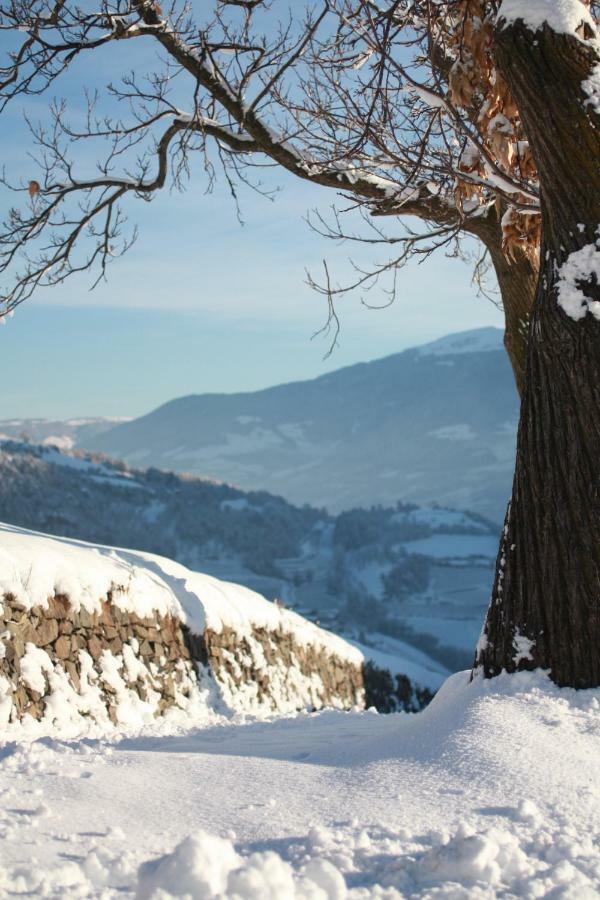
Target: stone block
column 21, row 634
column 85, row 618
column 58, row 608
column 35, row 710
column 20, row 698
column 94, row 647
column 79, row 642
column 46, row 632
column 62, row 647
column 11, row 601
column 14, row 650
column 71, row 670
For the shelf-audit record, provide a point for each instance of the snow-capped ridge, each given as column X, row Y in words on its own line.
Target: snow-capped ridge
column 479, row 340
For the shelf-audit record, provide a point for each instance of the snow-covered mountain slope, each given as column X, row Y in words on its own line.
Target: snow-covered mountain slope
column 388, row 579
column 492, row 792
column 432, row 424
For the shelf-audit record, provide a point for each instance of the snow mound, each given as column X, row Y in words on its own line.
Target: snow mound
column 203, row 867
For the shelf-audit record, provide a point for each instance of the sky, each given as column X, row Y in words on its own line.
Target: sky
column 202, row 303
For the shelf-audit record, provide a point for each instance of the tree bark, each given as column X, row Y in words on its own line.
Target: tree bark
column 545, row 606
column 517, row 280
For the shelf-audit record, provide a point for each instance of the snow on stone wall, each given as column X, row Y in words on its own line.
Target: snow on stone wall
column 92, row 637
column 109, row 666
column 272, row 668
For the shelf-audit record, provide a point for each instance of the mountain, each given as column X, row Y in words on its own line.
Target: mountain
column 408, row 584
column 431, row 424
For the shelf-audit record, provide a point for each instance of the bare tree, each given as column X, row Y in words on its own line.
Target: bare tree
column 398, row 108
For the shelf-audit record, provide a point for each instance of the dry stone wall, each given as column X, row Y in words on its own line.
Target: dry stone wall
column 274, row 669
column 58, row 663
column 98, row 662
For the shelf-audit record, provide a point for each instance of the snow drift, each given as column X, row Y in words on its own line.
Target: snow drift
column 491, row 792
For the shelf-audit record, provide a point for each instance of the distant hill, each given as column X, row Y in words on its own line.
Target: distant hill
column 64, row 433
column 432, row 424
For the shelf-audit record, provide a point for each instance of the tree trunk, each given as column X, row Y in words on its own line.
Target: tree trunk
column 545, row 606
column 517, row 280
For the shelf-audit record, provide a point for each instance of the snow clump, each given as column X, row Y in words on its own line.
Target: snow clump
column 204, row 867
column 562, row 16
column 580, row 268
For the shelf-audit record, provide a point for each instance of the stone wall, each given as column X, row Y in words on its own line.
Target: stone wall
column 273, row 669
column 107, row 657
column 59, row 663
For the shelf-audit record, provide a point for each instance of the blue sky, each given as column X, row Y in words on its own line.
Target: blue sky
column 202, row 303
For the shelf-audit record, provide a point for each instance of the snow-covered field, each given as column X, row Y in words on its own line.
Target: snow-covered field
column 493, row 791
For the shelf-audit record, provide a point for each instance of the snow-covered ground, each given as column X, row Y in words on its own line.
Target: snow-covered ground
column 455, row 546
column 492, row 791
